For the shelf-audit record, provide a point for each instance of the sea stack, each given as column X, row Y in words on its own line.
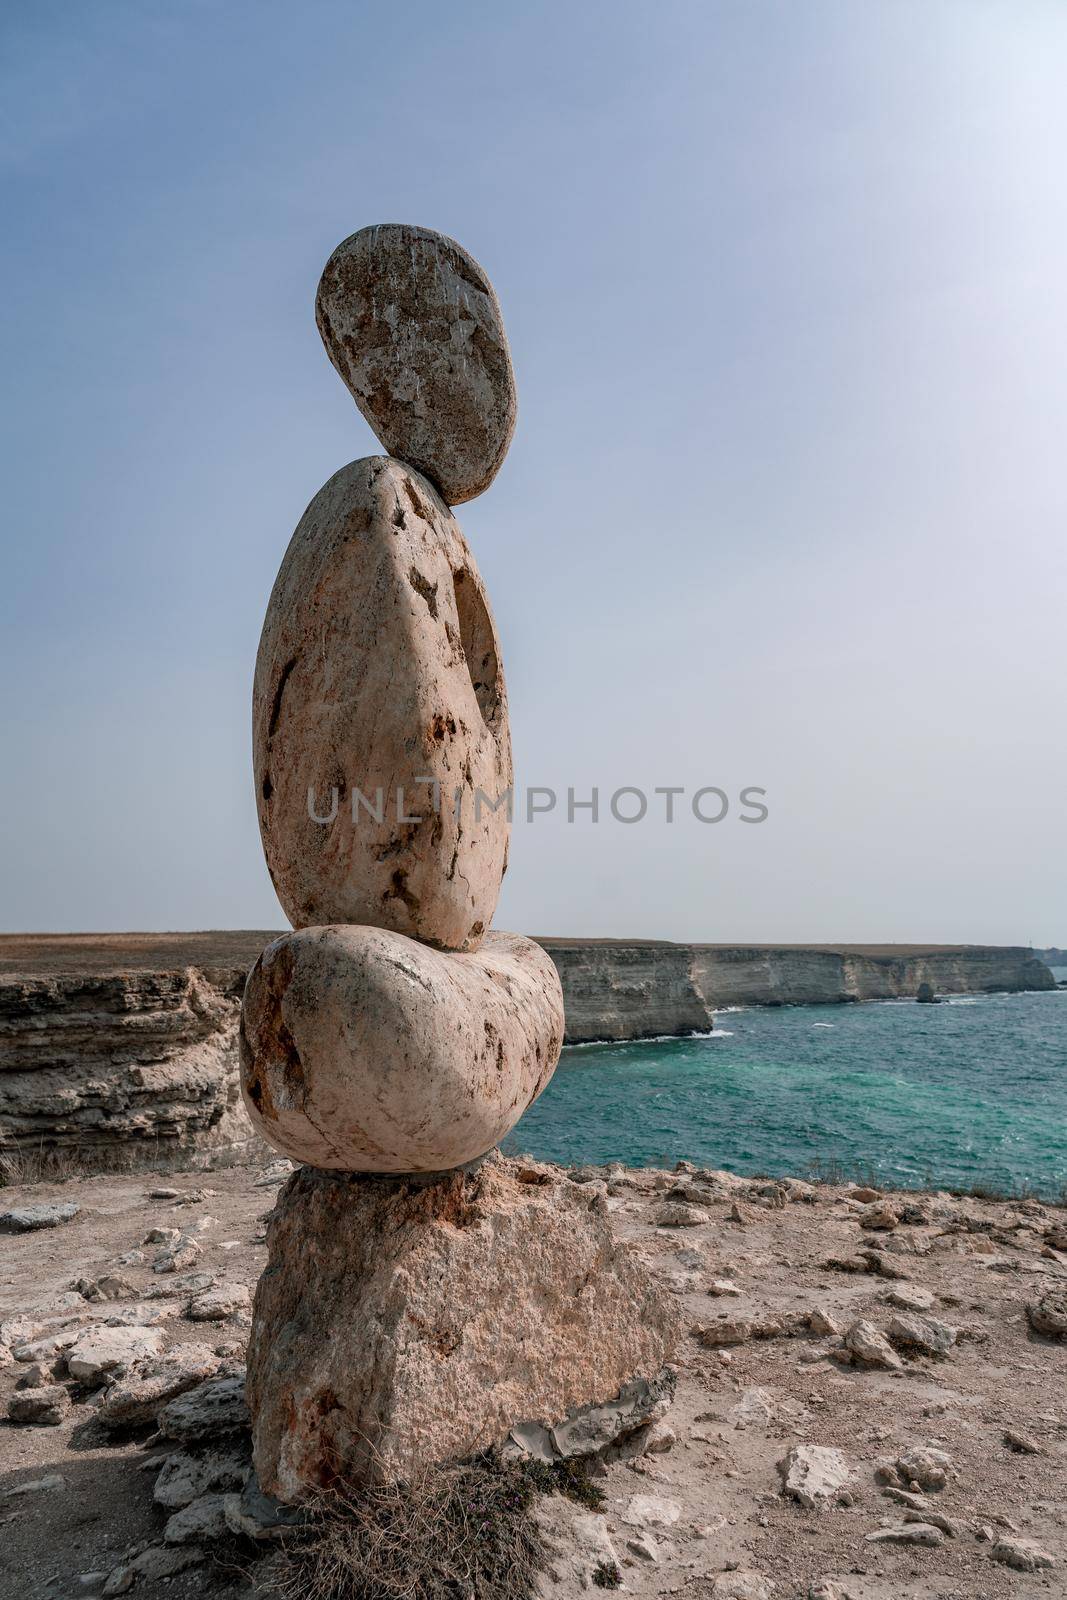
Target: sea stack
column 424, row 1297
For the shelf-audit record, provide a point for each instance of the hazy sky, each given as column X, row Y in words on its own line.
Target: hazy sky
column 785, row 285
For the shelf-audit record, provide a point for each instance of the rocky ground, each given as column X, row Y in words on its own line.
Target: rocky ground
column 872, row 1395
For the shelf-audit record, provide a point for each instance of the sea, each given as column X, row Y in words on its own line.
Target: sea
column 970, row 1094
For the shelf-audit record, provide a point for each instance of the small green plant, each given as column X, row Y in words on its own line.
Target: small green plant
column 569, row 1478
column 606, row 1575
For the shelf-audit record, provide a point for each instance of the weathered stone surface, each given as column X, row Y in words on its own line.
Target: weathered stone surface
column 1021, row 1554
column 156, row 1564
column 401, row 1323
column 26, row 1219
column 923, row 1465
column 47, row 1405
column 379, row 686
column 184, row 1477
column 139, row 1061
column 212, row 1410
column 102, row 1352
column 813, row 1472
column 411, row 323
column 138, row 1398
column 1049, row 1314
column 927, row 1335
column 674, row 1215
column 579, row 1543
column 909, row 1297
column 725, row 1331
column 866, row 1347
column 260, row 1516
column 178, row 1254
column 363, row 1050
column 741, row 1585
column 202, row 1520
column 923, row 1533
column 606, row 1430
column 222, row 1301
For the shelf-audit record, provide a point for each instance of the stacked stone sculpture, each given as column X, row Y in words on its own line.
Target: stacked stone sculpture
column 391, row 1040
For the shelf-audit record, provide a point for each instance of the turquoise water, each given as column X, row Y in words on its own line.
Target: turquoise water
column 972, row 1091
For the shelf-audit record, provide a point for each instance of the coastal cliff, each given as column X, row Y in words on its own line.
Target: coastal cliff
column 127, row 1044
column 629, row 989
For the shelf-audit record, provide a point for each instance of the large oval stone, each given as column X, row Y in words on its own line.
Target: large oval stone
column 380, row 725
column 364, row 1051
column 413, row 326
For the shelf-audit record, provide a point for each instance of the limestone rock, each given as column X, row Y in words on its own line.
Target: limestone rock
column 142, row 1063
column 222, row 1301
column 26, row 1219
column 823, row 1323
column 47, row 1405
column 256, row 1515
column 1021, row 1554
column 1049, row 1314
column 362, row 1050
column 681, row 1216
column 579, row 1542
column 212, row 1410
column 177, row 1254
column 379, row 698
column 926, row 1466
column 185, row 1477
column 868, row 1348
column 413, row 327
column 725, row 1331
column 156, row 1564
column 411, row 1322
column 813, row 1472
column 744, row 1584
column 651, row 1511
column 909, row 1297
column 203, row 1519
column 908, row 1533
column 138, row 1398
column 628, row 1419
column 926, row 1335
column 100, row 1352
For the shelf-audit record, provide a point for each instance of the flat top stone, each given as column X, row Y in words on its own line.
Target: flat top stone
column 412, row 325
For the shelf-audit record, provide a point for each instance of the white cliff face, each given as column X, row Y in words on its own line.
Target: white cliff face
column 142, row 1062
column 615, row 989
column 618, row 989
column 788, row 975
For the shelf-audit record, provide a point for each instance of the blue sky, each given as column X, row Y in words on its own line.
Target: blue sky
column 785, row 507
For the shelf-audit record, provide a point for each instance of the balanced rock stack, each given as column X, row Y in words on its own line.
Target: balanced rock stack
column 420, row 1302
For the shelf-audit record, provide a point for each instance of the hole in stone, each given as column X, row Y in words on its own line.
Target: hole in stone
column 476, row 639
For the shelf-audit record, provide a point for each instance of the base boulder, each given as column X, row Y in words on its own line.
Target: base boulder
column 402, row 1322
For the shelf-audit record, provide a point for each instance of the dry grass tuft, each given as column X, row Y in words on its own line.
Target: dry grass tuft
column 459, row 1533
